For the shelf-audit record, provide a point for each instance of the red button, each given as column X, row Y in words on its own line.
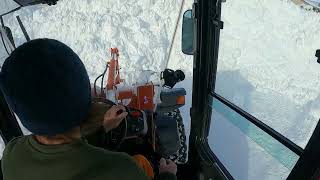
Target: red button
column 135, row 114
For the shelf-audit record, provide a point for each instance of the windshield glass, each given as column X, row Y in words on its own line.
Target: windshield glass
column 267, row 64
column 143, row 31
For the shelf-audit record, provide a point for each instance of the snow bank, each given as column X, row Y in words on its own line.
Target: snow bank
column 142, row 30
column 267, row 67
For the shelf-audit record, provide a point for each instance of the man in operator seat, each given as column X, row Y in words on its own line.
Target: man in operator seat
column 47, row 86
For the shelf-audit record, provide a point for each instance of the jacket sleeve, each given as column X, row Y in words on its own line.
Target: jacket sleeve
column 132, row 171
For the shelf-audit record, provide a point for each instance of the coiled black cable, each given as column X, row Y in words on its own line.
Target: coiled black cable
column 95, row 82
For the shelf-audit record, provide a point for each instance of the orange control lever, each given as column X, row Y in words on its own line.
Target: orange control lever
column 113, row 75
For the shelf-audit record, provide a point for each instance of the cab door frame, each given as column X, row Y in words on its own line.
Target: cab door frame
column 204, row 162
column 207, row 26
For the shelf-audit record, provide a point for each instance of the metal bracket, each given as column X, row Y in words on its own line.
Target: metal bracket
column 218, row 23
column 201, row 140
column 195, row 10
column 216, row 20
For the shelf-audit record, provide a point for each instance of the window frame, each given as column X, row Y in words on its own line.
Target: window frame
column 207, row 26
column 267, row 129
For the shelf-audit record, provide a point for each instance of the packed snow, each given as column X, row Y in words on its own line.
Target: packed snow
column 267, row 50
column 266, row 64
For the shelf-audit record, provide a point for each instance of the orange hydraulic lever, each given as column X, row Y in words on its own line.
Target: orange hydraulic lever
column 113, row 75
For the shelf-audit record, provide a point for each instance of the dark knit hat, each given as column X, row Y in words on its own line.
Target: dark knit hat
column 47, row 86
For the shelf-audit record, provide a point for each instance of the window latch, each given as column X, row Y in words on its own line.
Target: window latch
column 318, row 55
column 218, row 23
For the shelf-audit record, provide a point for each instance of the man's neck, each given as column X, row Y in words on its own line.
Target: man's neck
column 65, row 138
column 52, row 141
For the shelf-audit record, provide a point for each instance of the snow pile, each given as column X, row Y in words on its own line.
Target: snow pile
column 267, row 64
column 142, row 30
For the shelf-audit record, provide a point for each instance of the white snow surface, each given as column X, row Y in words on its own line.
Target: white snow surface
column 142, row 30
column 266, row 61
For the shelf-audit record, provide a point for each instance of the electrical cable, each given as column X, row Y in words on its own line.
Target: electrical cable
column 103, row 75
column 175, row 33
column 95, row 83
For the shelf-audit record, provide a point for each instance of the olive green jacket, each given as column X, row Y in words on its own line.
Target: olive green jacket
column 25, row 159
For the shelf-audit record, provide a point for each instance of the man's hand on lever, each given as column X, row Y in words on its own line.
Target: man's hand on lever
column 114, row 116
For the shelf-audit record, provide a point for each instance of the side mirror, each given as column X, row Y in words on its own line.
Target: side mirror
column 7, row 38
column 187, row 33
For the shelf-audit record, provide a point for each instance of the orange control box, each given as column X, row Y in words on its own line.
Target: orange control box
column 145, row 97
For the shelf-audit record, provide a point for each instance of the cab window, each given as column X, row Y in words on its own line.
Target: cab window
column 267, row 68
